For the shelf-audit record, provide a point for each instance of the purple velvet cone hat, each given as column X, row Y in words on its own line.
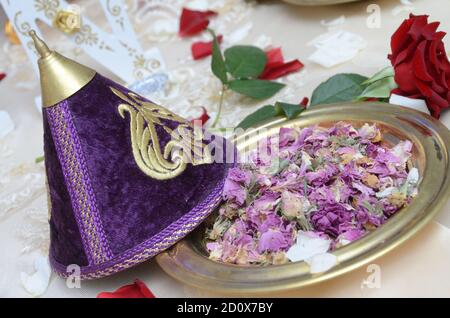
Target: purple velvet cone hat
column 119, row 192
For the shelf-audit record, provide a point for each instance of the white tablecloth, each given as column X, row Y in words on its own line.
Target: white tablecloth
column 418, row 268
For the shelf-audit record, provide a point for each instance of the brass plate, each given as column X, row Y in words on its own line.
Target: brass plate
column 187, row 260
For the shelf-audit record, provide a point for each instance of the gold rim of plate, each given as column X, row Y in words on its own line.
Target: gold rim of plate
column 187, row 261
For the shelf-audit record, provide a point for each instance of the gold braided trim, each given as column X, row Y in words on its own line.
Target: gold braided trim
column 83, row 203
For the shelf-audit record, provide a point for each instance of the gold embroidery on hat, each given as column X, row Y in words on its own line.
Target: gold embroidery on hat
column 144, row 118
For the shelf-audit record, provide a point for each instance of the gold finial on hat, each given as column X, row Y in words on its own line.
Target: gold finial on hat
column 60, row 77
column 40, row 45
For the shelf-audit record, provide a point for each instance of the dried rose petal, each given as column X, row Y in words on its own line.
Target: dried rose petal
column 333, row 183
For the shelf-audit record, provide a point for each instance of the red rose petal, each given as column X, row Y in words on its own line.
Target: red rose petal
column 423, row 87
column 400, row 37
column 435, row 104
column 274, row 58
column 281, row 70
column 2, row 76
column 404, row 77
column 430, row 30
column 418, row 23
column 304, row 102
column 276, row 67
column 136, row 290
column 432, row 52
column 204, row 117
column 193, row 22
column 202, row 49
column 419, row 64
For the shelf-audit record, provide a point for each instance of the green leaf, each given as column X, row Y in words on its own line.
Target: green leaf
column 255, row 88
column 338, row 88
column 379, row 89
column 217, row 62
column 262, row 114
column 385, row 72
column 288, row 110
column 244, row 61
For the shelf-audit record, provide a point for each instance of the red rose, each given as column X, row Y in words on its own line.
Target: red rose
column 421, row 65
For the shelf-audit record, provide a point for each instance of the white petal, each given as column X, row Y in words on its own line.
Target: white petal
column 321, row 263
column 402, row 150
column 36, row 284
column 417, row 104
column 344, row 241
column 413, row 176
column 339, row 39
column 6, row 123
column 334, row 22
column 386, row 192
column 306, row 160
column 306, row 247
column 334, row 48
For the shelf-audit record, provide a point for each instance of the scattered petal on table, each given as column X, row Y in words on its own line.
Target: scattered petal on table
column 36, row 284
column 274, row 58
column 193, row 22
column 417, row 104
column 202, row 49
column 284, row 69
column 136, row 290
column 337, row 47
column 2, row 76
column 331, row 23
column 321, row 263
column 204, row 117
column 304, row 102
column 276, row 67
column 6, row 123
